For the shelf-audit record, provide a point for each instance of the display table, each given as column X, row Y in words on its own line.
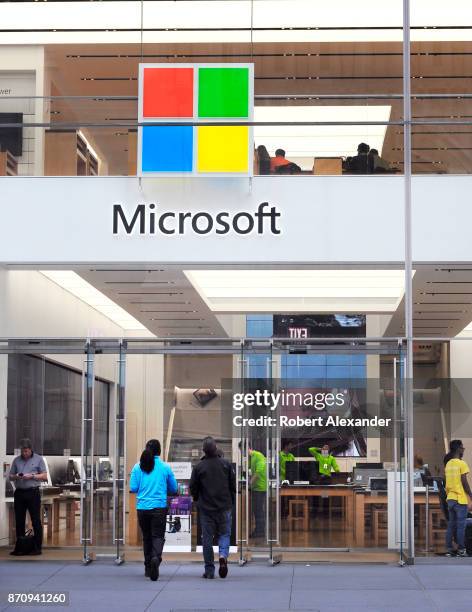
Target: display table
column 364, row 500
column 345, row 492
column 69, row 501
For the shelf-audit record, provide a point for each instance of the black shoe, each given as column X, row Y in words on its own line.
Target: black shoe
column 17, row 553
column 154, row 569
column 223, row 571
column 208, row 575
column 451, row 553
column 147, row 571
column 462, row 552
column 36, row 551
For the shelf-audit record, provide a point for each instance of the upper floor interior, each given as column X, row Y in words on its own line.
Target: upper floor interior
column 327, row 77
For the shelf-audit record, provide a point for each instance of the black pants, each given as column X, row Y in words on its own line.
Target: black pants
column 259, row 511
column 153, row 527
column 28, row 500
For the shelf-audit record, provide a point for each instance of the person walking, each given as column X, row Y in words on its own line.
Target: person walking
column 213, row 488
column 28, row 471
column 152, row 480
column 457, row 490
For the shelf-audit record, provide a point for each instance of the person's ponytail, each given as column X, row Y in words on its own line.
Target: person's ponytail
column 146, row 462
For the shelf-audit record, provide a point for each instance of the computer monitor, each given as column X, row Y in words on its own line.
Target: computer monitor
column 378, row 484
column 292, row 471
column 305, row 471
column 361, row 477
column 309, row 471
column 104, row 470
column 58, row 470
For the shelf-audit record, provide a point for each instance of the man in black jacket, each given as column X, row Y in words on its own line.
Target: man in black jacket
column 361, row 163
column 213, row 487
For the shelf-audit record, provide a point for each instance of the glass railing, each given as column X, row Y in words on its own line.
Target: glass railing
column 285, row 135
column 299, row 135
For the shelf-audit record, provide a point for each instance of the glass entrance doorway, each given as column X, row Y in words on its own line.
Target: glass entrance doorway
column 333, row 454
column 321, row 465
column 67, row 397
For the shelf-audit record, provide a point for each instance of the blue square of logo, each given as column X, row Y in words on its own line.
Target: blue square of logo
column 167, row 148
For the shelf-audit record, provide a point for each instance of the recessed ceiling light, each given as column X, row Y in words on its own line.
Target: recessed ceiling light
column 299, row 290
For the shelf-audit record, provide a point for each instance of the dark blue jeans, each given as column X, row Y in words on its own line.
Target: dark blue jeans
column 215, row 524
column 456, row 524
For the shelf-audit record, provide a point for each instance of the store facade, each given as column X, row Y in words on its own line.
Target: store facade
column 147, row 281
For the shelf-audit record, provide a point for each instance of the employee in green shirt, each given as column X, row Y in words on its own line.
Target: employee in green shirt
column 284, row 456
column 258, row 467
column 326, row 462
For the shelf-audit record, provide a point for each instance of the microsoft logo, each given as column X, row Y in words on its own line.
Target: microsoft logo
column 200, row 94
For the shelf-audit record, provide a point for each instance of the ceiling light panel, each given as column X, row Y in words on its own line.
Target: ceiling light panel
column 299, row 290
column 75, row 284
column 230, row 21
column 303, row 142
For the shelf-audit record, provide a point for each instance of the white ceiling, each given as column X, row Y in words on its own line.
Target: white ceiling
column 165, row 302
column 229, row 21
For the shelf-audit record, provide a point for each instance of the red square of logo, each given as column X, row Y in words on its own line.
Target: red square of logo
column 168, row 92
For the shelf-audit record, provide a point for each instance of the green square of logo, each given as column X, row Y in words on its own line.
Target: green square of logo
column 223, row 92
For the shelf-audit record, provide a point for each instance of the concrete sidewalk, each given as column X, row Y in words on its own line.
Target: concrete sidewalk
column 436, row 586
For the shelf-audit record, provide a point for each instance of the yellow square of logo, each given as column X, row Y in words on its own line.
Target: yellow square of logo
column 222, row 148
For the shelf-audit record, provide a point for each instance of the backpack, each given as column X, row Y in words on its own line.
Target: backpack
column 25, row 544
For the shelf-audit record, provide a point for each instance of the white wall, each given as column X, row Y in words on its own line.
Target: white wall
column 22, row 74
column 461, row 392
column 31, row 305
column 144, row 402
column 324, row 219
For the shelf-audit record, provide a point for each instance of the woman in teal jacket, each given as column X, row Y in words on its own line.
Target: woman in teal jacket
column 152, row 480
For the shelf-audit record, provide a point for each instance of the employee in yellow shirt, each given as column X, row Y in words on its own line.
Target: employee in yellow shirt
column 459, row 497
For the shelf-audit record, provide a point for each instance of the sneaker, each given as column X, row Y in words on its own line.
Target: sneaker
column 154, row 569
column 208, row 575
column 462, row 552
column 451, row 553
column 223, row 571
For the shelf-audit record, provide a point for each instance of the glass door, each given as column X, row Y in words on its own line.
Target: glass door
column 341, row 450
column 258, row 465
column 102, row 519
column 66, row 396
column 179, row 392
